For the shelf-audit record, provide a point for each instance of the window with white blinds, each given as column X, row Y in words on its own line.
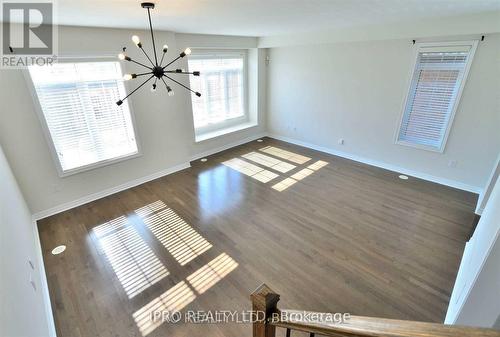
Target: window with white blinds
column 223, row 87
column 86, row 127
column 438, row 79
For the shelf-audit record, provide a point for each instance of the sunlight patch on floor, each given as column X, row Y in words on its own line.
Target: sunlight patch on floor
column 211, row 273
column 287, row 155
column 148, row 318
column 174, row 299
column 284, row 184
column 294, row 178
column 272, row 163
column 177, row 236
column 133, row 262
column 110, row 226
column 250, row 170
column 150, row 208
column 302, row 174
column 275, row 164
column 317, row 165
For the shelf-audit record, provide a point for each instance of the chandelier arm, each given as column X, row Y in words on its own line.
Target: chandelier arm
column 166, row 85
column 178, row 57
column 146, row 55
column 178, row 72
column 153, row 88
column 142, row 74
column 162, row 58
column 152, row 36
column 137, row 88
column 141, row 64
column 182, row 85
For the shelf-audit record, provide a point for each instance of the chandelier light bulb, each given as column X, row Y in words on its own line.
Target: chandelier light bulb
column 165, row 48
column 136, row 40
column 187, row 51
column 127, row 77
column 153, row 88
column 121, row 56
column 170, row 91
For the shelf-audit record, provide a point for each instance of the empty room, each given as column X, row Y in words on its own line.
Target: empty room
column 274, row 168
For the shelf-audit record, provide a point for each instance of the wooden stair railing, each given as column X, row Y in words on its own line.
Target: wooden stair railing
column 265, row 300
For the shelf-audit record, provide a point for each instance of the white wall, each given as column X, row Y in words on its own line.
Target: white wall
column 484, row 197
column 164, row 123
column 22, row 308
column 475, row 297
column 355, row 91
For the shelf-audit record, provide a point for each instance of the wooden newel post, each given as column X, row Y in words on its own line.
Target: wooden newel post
column 264, row 300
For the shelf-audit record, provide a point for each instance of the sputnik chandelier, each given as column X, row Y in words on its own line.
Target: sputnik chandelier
column 157, row 70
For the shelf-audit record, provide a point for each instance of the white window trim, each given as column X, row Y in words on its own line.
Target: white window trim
column 233, row 124
column 225, row 131
column 46, row 131
column 418, row 46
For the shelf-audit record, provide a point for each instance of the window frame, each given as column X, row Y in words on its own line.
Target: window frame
column 46, row 131
column 203, row 133
column 411, row 87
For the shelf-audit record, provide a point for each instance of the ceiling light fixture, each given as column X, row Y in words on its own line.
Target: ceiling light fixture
column 156, row 70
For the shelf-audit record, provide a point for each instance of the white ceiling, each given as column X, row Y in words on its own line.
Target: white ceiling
column 261, row 17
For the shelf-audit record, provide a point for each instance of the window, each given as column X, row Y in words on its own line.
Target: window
column 78, row 105
column 222, row 84
column 438, row 79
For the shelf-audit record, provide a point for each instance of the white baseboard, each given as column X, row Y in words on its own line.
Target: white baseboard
column 439, row 180
column 44, row 287
column 109, row 191
column 228, row 146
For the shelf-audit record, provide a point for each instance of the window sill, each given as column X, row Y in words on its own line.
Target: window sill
column 421, row 147
column 99, row 164
column 221, row 132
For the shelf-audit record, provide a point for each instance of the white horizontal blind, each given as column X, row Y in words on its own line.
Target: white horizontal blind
column 436, row 82
column 78, row 101
column 222, row 86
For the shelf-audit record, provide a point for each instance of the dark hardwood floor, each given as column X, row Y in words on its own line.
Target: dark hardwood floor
column 340, row 237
